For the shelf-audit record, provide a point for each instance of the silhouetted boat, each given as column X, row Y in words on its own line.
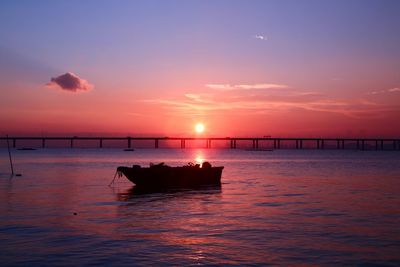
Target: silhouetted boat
column 161, row 175
column 259, row 149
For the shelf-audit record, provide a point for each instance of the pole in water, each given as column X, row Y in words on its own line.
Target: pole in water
column 9, row 155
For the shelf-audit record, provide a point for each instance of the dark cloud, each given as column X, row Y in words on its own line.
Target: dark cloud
column 70, row 82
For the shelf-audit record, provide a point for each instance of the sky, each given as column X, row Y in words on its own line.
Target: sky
column 242, row 68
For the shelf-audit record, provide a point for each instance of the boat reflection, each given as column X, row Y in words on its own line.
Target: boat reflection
column 142, row 192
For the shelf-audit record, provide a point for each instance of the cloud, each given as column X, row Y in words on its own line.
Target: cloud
column 261, row 37
column 201, row 104
column 391, row 90
column 198, row 97
column 70, row 82
column 228, row 87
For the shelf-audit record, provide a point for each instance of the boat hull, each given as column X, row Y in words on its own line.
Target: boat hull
column 166, row 176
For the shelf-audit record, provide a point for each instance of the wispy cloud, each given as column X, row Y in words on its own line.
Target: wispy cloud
column 390, row 90
column 198, row 97
column 261, row 37
column 228, row 87
column 69, row 82
column 200, row 104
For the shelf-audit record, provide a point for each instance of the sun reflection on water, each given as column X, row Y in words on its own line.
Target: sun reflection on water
column 199, row 158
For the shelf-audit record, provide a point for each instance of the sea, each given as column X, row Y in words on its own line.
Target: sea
column 281, row 207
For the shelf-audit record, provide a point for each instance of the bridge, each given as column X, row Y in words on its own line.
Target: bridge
column 256, row 143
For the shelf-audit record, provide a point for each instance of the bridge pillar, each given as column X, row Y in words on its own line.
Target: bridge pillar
column 101, row 143
column 129, row 142
column 183, row 145
column 43, row 142
column 156, row 143
column 208, row 143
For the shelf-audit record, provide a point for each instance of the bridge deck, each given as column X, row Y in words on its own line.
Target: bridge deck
column 256, row 142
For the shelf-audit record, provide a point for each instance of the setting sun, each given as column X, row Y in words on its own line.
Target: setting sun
column 199, row 127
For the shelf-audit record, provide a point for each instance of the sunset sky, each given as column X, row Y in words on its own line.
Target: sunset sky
column 243, row 68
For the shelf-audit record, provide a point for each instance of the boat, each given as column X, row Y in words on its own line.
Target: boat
column 26, row 148
column 259, row 149
column 163, row 176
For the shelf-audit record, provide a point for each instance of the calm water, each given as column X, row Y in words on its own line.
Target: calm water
column 280, row 207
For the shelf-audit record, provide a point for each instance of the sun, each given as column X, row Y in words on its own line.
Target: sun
column 199, row 127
